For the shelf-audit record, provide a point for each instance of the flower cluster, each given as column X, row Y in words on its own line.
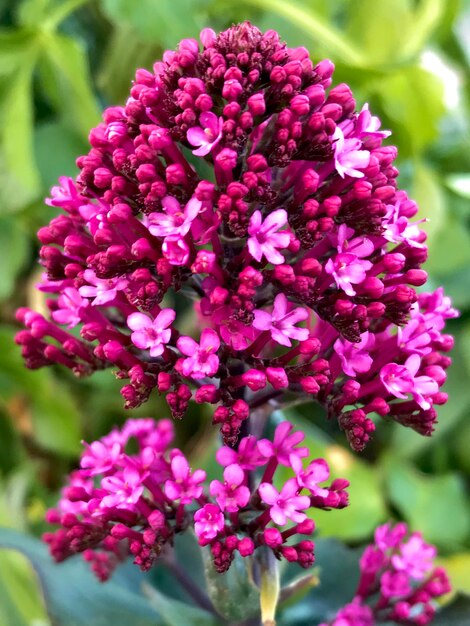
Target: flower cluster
column 120, row 503
column 234, row 174
column 398, row 582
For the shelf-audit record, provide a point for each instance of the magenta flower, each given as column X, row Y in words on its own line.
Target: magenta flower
column 264, row 240
column 98, row 457
column 367, row 124
column 415, row 557
column 349, row 158
column 102, row 291
column 284, row 444
column 316, row 472
column 151, row 334
column 208, row 522
column 248, row 455
column 355, row 357
column 201, row 361
column 175, row 249
column 174, row 221
column 281, row 322
column 206, row 136
column 401, row 380
column 70, row 306
column 184, row 486
column 232, row 494
column 124, row 491
column 286, row 504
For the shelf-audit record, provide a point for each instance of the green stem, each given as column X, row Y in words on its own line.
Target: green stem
column 62, row 12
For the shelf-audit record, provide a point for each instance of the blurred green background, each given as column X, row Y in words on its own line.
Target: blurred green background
column 61, row 62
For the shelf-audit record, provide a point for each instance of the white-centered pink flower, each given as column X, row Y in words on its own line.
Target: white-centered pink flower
column 207, row 135
column 151, row 334
column 264, row 240
column 349, row 158
column 201, row 359
column 281, row 322
column 101, row 290
column 286, row 504
column 174, row 220
column 316, row 472
column 232, row 494
column 401, row 380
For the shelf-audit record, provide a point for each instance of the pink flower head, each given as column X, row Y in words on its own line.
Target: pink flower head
column 184, row 486
column 316, row 472
column 283, row 446
column 286, row 504
column 124, row 491
column 102, row 290
column 151, row 334
column 355, row 357
column 202, row 360
column 248, row 456
column 349, row 158
column 232, row 494
column 264, row 240
column 206, row 136
column 175, row 221
column 415, row 557
column 208, row 522
column 70, row 307
column 400, row 380
column 281, row 323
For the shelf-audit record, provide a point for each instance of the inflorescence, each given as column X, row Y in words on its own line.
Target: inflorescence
column 236, row 176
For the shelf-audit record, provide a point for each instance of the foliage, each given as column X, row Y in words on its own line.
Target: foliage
column 61, row 61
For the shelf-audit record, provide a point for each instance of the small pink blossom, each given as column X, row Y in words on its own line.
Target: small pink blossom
column 388, row 537
column 124, row 491
column 264, row 240
column 184, row 486
column 175, row 221
column 400, row 380
column 98, row 457
column 283, row 446
column 414, row 336
column 176, row 250
column 70, row 306
column 281, row 323
column 394, row 584
column 347, row 267
column 208, row 522
column 355, row 357
column 248, row 456
column 202, row 360
column 415, row 557
column 235, row 334
column 285, row 504
column 349, row 158
column 232, row 494
column 206, row 136
column 151, row 334
column 367, row 124
column 398, row 229
column 102, row 290
column 316, row 472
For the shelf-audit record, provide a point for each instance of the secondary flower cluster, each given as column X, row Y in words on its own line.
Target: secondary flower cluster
column 120, row 503
column 235, row 175
column 398, row 582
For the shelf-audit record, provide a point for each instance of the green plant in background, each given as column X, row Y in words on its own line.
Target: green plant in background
column 410, row 61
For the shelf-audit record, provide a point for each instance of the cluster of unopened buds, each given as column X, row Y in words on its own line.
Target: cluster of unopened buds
column 234, row 175
column 119, row 504
column 398, row 582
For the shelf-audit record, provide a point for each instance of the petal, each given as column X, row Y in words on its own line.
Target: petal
column 210, row 340
column 138, row 321
column 164, row 318
column 187, row 346
column 268, row 493
column 262, row 320
column 278, row 516
column 234, row 475
column 275, row 220
column 196, row 136
column 140, row 339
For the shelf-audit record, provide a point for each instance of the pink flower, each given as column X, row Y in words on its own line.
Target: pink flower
column 184, row 486
column 124, row 491
column 248, row 456
column 415, row 557
column 232, row 494
column 102, row 290
column 281, row 323
column 397, row 227
column 175, row 249
column 201, row 361
column 368, row 124
column 414, row 337
column 347, row 267
column 208, row 522
column 387, row 536
column 70, row 306
column 174, row 221
column 151, row 334
column 394, row 584
column 316, row 472
column 264, row 240
column 355, row 357
column 349, row 158
column 400, row 380
column 283, row 446
column 98, row 457
column 236, row 334
column 206, row 136
column 285, row 504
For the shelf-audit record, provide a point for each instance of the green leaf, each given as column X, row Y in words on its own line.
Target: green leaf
column 428, row 193
column 175, row 613
column 455, row 614
column 14, row 246
column 72, row 594
column 425, row 502
column 233, row 594
column 57, row 146
column 449, row 249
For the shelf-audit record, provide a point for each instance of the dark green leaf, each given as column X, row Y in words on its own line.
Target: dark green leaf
column 14, row 247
